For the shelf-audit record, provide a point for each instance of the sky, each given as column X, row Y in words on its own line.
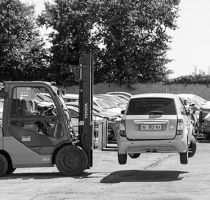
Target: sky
column 190, row 46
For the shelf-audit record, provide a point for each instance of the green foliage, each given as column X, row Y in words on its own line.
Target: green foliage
column 135, row 35
column 72, row 24
column 133, row 32
column 192, row 79
column 22, row 56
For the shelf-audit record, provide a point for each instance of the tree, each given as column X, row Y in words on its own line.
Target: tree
column 133, row 32
column 135, row 35
column 22, row 56
column 72, row 24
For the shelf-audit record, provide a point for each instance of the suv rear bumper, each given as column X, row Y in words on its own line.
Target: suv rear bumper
column 143, row 146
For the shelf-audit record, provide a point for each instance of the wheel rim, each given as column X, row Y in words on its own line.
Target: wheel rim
column 71, row 161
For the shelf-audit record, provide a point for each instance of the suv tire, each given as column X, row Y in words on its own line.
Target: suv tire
column 122, row 159
column 134, row 155
column 192, row 148
column 184, row 158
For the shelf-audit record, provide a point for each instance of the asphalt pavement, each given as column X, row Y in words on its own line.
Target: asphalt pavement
column 151, row 176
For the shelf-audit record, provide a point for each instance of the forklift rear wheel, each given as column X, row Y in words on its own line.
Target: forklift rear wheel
column 71, row 160
column 134, row 155
column 3, row 165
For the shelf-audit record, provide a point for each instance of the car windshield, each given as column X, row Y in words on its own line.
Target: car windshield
column 149, row 106
column 101, row 103
column 117, row 100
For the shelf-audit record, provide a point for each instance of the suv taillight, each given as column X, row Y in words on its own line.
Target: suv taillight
column 180, row 127
column 122, row 127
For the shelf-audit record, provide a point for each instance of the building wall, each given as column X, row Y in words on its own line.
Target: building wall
column 201, row 90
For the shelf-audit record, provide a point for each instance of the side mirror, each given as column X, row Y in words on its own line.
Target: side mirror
column 123, row 112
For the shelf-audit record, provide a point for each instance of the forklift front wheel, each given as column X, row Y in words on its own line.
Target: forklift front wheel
column 71, row 160
column 3, row 165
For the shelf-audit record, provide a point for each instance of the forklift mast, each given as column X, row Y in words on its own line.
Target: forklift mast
column 86, row 106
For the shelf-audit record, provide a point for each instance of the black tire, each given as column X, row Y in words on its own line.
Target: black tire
column 71, row 160
column 122, row 159
column 134, row 155
column 184, row 158
column 192, row 148
column 10, row 170
column 3, row 165
column 205, row 137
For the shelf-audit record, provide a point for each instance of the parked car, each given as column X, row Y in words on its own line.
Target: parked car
column 113, row 101
column 105, row 104
column 71, row 98
column 101, row 103
column 155, row 123
column 74, row 113
column 113, row 119
column 120, row 93
column 202, row 109
column 193, row 112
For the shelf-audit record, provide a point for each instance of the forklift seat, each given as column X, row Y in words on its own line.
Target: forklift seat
column 15, row 106
column 26, row 107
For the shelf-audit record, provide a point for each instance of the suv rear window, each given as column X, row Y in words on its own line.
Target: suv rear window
column 147, row 106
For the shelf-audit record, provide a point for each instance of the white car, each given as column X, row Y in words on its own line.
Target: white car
column 74, row 114
column 71, row 98
column 128, row 95
column 99, row 102
column 155, row 123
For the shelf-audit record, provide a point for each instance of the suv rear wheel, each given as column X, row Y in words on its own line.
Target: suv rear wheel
column 122, row 159
column 184, row 158
column 192, row 148
column 134, row 155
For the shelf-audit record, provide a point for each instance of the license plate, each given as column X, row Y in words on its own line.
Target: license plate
column 150, row 127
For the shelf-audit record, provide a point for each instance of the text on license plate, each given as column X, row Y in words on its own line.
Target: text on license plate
column 150, row 127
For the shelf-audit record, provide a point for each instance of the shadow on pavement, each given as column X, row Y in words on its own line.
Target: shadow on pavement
column 44, row 175
column 142, row 176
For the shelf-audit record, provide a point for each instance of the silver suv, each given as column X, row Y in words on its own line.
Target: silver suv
column 155, row 123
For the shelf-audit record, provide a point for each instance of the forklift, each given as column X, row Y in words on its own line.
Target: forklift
column 36, row 129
